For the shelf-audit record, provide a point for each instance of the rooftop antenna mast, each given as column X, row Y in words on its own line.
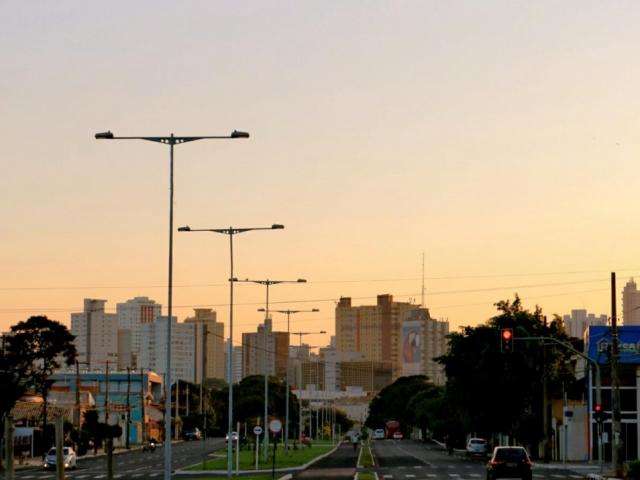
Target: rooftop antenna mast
column 423, row 278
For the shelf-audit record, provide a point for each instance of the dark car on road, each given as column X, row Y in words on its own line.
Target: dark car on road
column 192, row 434
column 509, row 462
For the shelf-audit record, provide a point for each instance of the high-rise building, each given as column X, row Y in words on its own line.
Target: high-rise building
column 370, row 376
column 236, row 362
column 125, row 351
column 376, row 331
column 631, row 303
column 331, row 359
column 153, row 351
column 313, row 373
column 96, row 334
column 423, row 339
column 265, row 351
column 577, row 323
column 132, row 315
column 210, row 339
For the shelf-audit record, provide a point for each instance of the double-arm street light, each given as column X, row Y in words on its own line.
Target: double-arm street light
column 288, row 313
column 170, row 140
column 267, row 283
column 230, row 231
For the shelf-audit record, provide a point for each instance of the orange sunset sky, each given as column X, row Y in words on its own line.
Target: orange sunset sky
column 501, row 138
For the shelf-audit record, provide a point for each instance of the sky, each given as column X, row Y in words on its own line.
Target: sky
column 500, row 138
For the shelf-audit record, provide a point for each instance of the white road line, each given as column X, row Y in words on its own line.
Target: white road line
column 576, row 476
column 155, row 474
column 451, row 466
column 388, row 476
column 410, row 475
column 28, row 476
column 100, row 476
column 418, row 466
column 82, row 476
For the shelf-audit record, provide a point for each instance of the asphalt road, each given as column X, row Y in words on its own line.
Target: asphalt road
column 340, row 465
column 409, row 460
column 134, row 465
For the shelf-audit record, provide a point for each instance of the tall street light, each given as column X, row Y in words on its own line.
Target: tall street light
column 268, row 283
column 171, row 140
column 288, row 313
column 231, row 231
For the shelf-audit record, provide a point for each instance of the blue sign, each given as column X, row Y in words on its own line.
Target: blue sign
column 599, row 343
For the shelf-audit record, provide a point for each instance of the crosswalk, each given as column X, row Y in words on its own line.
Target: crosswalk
column 90, row 476
column 443, row 472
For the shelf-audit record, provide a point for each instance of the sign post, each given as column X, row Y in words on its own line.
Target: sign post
column 257, row 430
column 275, row 426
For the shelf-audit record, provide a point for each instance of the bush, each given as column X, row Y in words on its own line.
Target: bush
column 632, row 470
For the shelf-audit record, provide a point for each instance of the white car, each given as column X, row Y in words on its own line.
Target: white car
column 68, row 457
column 477, row 447
column 378, row 434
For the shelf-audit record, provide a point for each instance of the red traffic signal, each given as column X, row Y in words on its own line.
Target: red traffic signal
column 506, row 340
column 598, row 413
column 597, row 408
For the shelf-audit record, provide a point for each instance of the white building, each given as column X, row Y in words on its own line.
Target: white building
column 577, row 323
column 96, row 334
column 132, row 315
column 331, row 359
column 236, row 362
column 153, row 351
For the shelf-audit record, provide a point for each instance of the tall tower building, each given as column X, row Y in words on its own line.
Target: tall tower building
column 132, row 315
column 373, row 330
column 631, row 303
column 209, row 338
column 577, row 323
column 153, row 350
column 96, row 334
column 265, row 350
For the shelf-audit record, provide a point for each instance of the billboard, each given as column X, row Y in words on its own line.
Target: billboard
column 412, row 343
column 599, row 343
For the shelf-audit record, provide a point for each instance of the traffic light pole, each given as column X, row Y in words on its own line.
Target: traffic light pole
column 596, row 367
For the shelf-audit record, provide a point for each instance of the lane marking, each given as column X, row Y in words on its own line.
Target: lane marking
column 410, row 475
column 388, row 476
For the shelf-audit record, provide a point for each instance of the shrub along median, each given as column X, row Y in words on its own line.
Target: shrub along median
column 294, row 458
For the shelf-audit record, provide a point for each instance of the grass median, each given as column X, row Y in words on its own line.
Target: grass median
column 294, row 458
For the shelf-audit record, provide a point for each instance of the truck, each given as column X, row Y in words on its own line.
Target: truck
column 390, row 428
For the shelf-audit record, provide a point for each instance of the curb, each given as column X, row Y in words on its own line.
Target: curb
column 196, row 473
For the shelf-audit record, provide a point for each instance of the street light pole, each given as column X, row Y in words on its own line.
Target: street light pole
column 268, row 283
column 171, row 140
column 231, row 231
column 288, row 313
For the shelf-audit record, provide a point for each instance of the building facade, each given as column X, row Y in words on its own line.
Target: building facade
column 96, row 334
column 153, row 353
column 366, row 374
column 631, row 303
column 236, row 362
column 132, row 315
column 265, row 351
column 423, row 339
column 577, row 323
column 209, row 345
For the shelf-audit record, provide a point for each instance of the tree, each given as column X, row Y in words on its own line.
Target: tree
column 37, row 347
column 506, row 387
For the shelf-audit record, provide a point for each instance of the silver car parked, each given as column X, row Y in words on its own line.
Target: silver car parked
column 68, row 457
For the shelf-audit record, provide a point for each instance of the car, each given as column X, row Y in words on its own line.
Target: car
column 149, row 446
column 508, row 462
column 68, row 456
column 234, row 437
column 477, row 447
column 192, row 434
column 378, row 434
column 397, row 435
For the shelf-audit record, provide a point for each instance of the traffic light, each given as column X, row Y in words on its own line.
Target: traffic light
column 506, row 340
column 598, row 413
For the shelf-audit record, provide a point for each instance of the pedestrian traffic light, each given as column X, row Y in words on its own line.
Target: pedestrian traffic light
column 598, row 413
column 506, row 340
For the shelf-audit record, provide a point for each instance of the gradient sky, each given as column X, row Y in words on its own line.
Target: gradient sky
column 499, row 137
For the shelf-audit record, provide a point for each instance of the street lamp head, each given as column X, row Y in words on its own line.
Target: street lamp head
column 261, row 310
column 301, row 280
column 277, row 226
column 315, row 309
column 186, row 228
column 234, row 279
column 322, row 331
column 104, row 135
column 237, row 134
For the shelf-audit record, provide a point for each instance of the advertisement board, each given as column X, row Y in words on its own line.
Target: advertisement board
column 412, row 343
column 599, row 343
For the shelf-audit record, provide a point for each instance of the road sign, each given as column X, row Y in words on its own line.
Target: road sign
column 257, row 430
column 275, row 426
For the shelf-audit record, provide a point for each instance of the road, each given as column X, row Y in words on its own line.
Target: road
column 133, row 465
column 409, row 460
column 340, row 465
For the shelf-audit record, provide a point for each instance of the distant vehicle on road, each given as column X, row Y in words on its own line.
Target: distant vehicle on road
column 149, row 446
column 509, row 462
column 68, row 457
column 391, row 427
column 398, row 435
column 234, row 437
column 378, row 434
column 477, row 447
column 192, row 434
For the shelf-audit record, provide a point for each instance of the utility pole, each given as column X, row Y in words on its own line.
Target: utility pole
column 106, row 421
column 59, row 447
column 76, row 412
column 9, row 473
column 177, row 417
column 616, row 452
column 545, row 413
column 128, row 426
column 422, row 302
